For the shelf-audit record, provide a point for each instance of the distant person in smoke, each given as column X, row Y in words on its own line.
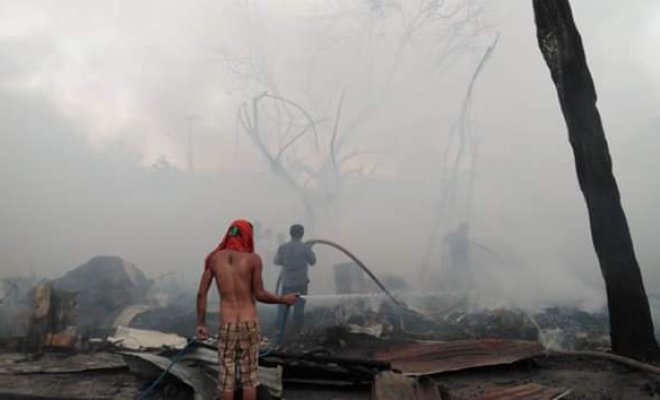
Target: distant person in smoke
column 295, row 257
column 458, row 252
column 236, row 269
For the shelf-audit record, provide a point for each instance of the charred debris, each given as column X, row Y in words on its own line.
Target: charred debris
column 104, row 330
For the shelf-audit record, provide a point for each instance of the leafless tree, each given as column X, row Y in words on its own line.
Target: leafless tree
column 277, row 128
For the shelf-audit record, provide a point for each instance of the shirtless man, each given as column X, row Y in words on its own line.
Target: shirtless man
column 237, row 272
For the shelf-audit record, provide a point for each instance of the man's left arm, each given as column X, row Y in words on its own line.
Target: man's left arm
column 202, row 331
column 311, row 257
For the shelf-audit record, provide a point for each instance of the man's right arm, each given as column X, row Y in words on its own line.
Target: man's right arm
column 264, row 295
column 204, row 284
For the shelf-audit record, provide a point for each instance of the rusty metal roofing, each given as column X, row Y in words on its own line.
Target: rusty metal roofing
column 530, row 391
column 390, row 385
column 438, row 357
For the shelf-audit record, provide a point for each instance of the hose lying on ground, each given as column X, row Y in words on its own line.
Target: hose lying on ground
column 595, row 354
column 652, row 369
column 279, row 337
column 177, row 357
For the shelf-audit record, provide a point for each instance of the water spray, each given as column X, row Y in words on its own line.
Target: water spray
column 359, row 263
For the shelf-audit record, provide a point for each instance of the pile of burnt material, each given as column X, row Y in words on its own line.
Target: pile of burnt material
column 105, row 286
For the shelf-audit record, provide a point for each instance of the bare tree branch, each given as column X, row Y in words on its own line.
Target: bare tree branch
column 295, row 139
column 335, row 130
column 302, row 110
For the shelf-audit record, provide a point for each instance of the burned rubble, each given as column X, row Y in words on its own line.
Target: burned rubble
column 104, row 286
column 15, row 306
column 103, row 330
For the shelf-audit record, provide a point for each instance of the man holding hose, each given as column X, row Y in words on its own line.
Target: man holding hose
column 236, row 269
column 295, row 257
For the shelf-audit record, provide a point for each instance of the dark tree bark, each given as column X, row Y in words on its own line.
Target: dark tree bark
column 631, row 327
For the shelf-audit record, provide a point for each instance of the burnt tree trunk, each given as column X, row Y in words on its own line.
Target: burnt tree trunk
column 631, row 327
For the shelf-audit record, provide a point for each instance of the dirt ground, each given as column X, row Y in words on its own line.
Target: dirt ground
column 304, row 392
column 586, row 378
column 97, row 385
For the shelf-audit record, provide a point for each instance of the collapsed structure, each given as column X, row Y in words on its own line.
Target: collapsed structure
column 103, row 330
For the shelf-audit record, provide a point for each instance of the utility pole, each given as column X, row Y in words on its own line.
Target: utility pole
column 191, row 161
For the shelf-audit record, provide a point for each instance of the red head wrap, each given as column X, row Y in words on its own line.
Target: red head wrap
column 238, row 238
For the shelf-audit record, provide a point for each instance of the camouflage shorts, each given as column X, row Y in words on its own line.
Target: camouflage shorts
column 238, row 353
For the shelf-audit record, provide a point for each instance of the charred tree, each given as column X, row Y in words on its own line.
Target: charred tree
column 631, row 327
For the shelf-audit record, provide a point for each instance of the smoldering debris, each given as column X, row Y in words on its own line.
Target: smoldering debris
column 54, row 320
column 105, row 287
column 15, row 306
column 107, row 322
column 452, row 317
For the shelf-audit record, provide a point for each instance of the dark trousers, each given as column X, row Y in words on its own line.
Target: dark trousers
column 298, row 309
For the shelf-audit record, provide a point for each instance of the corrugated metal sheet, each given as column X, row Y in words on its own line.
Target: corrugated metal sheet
column 530, row 391
column 393, row 386
column 146, row 363
column 433, row 358
column 129, row 313
column 76, row 363
column 141, row 339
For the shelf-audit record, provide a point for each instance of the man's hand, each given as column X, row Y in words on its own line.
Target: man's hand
column 290, row 299
column 202, row 332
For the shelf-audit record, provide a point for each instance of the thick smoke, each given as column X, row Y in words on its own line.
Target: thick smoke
column 98, row 102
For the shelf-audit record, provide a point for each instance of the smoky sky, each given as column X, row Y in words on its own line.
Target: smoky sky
column 93, row 95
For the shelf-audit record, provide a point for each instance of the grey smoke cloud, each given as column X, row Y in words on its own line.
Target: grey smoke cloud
column 92, row 94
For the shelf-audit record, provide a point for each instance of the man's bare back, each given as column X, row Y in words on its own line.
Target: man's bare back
column 234, row 276
column 239, row 281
